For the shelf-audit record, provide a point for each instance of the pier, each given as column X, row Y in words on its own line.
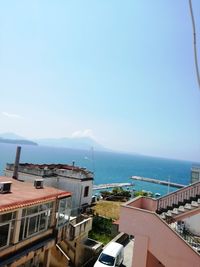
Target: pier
column 113, row 185
column 155, row 181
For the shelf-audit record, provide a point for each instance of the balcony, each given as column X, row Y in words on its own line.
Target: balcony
column 185, row 233
column 153, row 221
column 79, row 226
column 154, row 236
column 180, row 197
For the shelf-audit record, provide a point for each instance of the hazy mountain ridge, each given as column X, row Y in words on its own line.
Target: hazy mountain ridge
column 17, row 141
column 12, row 138
column 66, row 142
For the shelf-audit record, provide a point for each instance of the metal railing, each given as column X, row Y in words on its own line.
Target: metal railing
column 80, row 226
column 188, row 237
column 178, row 196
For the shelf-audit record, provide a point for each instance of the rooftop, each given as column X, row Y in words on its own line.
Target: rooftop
column 25, row 194
column 50, row 168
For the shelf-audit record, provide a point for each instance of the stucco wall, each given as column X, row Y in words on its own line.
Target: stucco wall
column 170, row 249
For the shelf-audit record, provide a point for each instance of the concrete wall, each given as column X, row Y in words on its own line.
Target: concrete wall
column 57, row 258
column 146, row 203
column 75, row 249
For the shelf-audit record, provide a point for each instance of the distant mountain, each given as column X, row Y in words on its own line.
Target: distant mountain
column 67, row 142
column 74, row 143
column 17, row 141
column 12, row 138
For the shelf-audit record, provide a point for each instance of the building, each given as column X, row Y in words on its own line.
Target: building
column 166, row 230
column 75, row 245
column 77, row 180
column 33, row 219
column 195, row 174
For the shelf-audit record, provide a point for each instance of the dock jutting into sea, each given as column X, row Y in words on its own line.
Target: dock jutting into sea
column 106, row 186
column 155, row 181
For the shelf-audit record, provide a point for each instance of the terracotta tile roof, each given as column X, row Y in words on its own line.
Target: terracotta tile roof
column 24, row 194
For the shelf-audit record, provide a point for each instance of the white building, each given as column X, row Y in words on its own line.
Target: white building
column 195, row 174
column 77, row 180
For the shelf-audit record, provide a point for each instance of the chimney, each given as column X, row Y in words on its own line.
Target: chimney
column 16, row 166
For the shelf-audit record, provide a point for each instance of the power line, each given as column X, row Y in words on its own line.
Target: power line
column 194, row 42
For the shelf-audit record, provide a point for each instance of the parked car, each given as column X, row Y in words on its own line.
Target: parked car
column 112, row 255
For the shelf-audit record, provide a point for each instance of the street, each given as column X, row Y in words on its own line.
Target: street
column 128, row 253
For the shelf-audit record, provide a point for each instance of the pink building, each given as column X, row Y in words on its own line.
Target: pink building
column 166, row 230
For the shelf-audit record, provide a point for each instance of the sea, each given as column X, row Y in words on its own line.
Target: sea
column 108, row 167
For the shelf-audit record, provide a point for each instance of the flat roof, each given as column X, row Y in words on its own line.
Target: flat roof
column 53, row 167
column 25, row 194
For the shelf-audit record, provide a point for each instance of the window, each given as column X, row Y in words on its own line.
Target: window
column 35, row 219
column 86, row 191
column 4, row 234
column 64, row 212
column 7, row 222
column 107, row 259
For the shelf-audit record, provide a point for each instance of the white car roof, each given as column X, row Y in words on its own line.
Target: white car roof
column 112, row 249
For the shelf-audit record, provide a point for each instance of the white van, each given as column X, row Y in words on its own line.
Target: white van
column 112, row 255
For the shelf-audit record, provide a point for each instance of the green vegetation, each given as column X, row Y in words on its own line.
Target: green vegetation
column 116, row 194
column 119, row 194
column 103, row 238
column 107, row 211
column 101, row 229
column 143, row 193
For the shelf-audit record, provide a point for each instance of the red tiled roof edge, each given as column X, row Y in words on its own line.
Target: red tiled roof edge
column 26, row 203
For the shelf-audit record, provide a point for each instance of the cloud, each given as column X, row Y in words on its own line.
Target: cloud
column 11, row 115
column 83, row 133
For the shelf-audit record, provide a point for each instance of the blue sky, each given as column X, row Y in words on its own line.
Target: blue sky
column 119, row 71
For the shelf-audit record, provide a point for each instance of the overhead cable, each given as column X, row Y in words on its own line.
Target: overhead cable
column 194, row 42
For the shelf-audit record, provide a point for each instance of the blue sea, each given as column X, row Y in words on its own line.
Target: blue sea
column 109, row 167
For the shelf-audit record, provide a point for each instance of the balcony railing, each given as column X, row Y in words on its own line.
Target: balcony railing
column 79, row 226
column 189, row 237
column 180, row 196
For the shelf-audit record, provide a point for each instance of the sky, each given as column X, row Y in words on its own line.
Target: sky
column 121, row 72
